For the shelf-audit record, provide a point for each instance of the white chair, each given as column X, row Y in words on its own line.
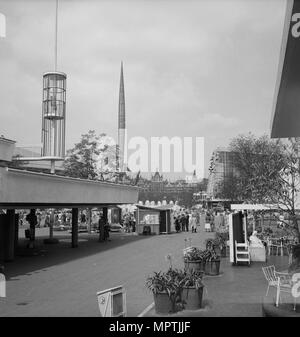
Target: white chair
column 207, row 227
column 270, row 275
column 290, row 252
column 284, row 284
column 274, row 245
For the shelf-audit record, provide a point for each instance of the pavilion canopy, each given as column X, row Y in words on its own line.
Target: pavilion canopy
column 257, row 207
column 285, row 120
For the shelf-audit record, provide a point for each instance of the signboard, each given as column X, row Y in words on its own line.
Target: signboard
column 286, row 106
column 2, row 25
column 112, row 302
column 2, row 285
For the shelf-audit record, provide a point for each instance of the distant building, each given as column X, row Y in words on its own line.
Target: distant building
column 221, row 168
column 158, row 189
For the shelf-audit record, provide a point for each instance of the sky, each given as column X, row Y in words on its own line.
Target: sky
column 203, row 68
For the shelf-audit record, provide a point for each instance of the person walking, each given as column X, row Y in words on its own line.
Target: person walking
column 177, row 224
column 101, row 228
column 182, row 221
column 193, row 224
column 127, row 223
column 106, row 231
column 212, row 223
column 187, row 221
column 39, row 219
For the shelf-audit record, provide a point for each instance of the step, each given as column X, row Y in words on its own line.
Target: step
column 244, row 260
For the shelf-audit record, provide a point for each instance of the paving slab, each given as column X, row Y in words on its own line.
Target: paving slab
column 61, row 281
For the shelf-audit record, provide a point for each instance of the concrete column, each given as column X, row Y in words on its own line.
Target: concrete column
column 2, row 237
column 89, row 219
column 120, row 215
column 9, row 243
column 105, row 213
column 52, row 216
column 16, row 232
column 74, row 227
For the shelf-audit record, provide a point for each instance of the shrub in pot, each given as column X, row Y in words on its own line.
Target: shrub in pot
column 166, row 288
column 194, row 259
column 218, row 244
column 192, row 291
column 221, row 240
column 212, row 263
column 202, row 260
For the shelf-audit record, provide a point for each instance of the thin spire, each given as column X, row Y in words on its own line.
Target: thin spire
column 121, row 101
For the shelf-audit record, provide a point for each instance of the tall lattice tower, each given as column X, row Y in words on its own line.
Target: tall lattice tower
column 54, row 110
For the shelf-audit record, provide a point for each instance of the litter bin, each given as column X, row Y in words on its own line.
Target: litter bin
column 27, row 233
column 147, row 230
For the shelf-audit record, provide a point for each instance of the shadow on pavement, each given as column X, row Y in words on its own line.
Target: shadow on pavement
column 47, row 255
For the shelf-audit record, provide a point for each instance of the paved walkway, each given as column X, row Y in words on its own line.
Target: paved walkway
column 237, row 292
column 61, row 281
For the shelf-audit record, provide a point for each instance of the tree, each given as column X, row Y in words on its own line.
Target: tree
column 228, row 188
column 89, row 158
column 268, row 172
column 258, row 163
column 286, row 190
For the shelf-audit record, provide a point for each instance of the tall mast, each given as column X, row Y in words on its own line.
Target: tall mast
column 121, row 125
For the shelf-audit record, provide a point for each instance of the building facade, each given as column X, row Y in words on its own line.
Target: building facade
column 221, row 170
column 157, row 189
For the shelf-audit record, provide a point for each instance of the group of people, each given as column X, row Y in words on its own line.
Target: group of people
column 184, row 221
column 129, row 223
column 45, row 218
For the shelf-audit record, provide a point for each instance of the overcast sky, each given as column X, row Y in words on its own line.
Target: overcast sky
column 191, row 68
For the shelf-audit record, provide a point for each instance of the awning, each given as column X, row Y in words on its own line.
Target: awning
column 285, row 120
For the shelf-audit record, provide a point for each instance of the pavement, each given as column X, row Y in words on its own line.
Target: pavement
column 58, row 280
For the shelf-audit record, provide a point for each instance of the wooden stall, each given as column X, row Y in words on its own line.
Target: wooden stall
column 157, row 218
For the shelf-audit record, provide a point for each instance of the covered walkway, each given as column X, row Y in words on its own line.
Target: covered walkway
column 21, row 189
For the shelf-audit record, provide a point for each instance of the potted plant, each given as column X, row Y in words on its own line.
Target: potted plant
column 166, row 288
column 211, row 244
column 218, row 244
column 194, row 259
column 212, row 263
column 221, row 240
column 192, row 291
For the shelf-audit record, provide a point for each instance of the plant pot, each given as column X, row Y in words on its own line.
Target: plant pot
column 197, row 265
column 212, row 267
column 192, row 298
column 163, row 303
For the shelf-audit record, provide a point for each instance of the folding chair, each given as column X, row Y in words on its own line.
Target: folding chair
column 275, row 245
column 284, row 284
column 270, row 275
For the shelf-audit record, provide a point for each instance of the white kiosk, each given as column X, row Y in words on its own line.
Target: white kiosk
column 238, row 243
column 257, row 253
